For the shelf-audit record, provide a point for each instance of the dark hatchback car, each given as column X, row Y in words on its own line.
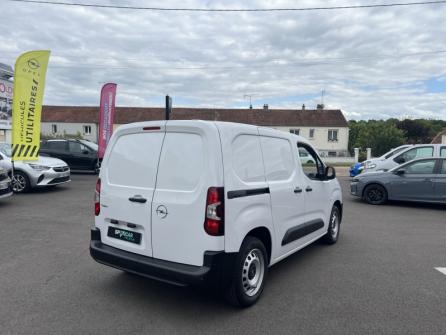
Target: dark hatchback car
column 78, row 154
column 422, row 180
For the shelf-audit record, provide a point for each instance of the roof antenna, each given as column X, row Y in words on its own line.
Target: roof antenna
column 250, row 97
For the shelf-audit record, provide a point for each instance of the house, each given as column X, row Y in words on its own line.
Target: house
column 327, row 129
column 440, row 138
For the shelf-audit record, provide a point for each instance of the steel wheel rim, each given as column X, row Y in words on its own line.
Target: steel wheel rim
column 18, row 183
column 334, row 225
column 253, row 272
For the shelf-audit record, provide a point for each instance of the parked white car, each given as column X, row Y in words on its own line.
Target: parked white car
column 44, row 172
column 5, row 184
column 371, row 163
column 406, row 155
column 190, row 201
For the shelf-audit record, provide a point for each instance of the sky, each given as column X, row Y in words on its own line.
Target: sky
column 371, row 63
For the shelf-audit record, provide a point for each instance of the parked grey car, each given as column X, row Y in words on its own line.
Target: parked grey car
column 421, row 180
column 44, row 172
column 5, row 184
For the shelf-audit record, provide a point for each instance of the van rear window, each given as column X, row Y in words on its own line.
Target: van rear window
column 182, row 162
column 133, row 160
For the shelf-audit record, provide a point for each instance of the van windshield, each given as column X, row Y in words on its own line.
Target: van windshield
column 394, row 152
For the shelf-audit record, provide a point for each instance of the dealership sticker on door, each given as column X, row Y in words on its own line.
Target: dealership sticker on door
column 125, row 235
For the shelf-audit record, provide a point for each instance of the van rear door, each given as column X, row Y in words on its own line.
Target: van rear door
column 190, row 163
column 128, row 180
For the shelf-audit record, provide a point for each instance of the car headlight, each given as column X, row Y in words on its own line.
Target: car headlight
column 39, row 167
column 371, row 166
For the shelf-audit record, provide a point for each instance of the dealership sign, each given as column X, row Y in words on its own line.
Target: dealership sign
column 6, row 89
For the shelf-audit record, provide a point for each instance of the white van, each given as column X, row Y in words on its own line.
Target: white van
column 195, row 201
column 371, row 163
column 406, row 155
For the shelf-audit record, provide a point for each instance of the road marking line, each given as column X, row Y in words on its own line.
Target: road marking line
column 442, row 270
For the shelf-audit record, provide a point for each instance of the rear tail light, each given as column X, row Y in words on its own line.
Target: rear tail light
column 97, row 198
column 214, row 223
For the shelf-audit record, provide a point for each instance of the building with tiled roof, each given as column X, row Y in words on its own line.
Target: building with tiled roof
column 327, row 129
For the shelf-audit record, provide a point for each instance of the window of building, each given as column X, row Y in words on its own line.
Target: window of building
column 312, row 133
column 54, row 128
column 332, row 135
column 332, row 154
column 87, row 130
column 295, row 131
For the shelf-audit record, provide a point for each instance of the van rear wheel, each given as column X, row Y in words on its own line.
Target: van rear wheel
column 249, row 274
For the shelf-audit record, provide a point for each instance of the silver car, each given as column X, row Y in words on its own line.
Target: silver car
column 421, row 180
column 5, row 184
column 44, row 172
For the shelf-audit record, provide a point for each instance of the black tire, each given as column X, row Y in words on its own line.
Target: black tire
column 239, row 292
column 375, row 194
column 334, row 226
column 20, row 182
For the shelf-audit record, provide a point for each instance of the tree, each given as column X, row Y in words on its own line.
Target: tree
column 380, row 136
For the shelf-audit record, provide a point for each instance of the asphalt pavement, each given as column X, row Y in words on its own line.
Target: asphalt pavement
column 380, row 278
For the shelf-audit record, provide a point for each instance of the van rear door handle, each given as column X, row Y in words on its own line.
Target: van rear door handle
column 308, row 189
column 138, row 198
column 297, row 190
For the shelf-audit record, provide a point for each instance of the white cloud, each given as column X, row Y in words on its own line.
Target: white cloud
column 355, row 55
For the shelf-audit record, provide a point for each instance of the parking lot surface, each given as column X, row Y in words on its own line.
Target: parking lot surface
column 380, row 278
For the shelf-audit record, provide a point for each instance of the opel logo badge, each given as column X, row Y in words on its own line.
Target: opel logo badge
column 161, row 211
column 33, row 63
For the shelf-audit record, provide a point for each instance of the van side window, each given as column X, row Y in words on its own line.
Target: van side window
column 414, row 153
column 443, row 152
column 182, row 162
column 278, row 158
column 132, row 163
column 247, row 159
column 311, row 163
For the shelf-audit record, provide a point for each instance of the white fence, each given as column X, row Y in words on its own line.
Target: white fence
column 339, row 160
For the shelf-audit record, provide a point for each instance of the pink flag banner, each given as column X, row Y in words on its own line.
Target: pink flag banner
column 106, row 116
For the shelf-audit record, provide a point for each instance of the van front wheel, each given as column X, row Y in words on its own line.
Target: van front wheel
column 333, row 226
column 250, row 271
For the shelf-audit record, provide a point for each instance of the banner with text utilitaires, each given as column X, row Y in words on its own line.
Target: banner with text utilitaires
column 29, row 84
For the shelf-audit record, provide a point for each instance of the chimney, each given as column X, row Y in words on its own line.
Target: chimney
column 303, row 107
column 320, row 106
column 265, row 107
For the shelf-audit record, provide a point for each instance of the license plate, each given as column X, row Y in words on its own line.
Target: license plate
column 124, row 235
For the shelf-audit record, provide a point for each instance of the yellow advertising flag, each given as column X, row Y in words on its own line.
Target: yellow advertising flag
column 29, row 84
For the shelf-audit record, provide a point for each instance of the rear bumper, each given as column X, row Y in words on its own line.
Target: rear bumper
column 217, row 266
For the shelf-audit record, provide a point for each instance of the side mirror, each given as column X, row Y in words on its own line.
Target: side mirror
column 85, row 152
column 400, row 172
column 330, row 173
column 400, row 160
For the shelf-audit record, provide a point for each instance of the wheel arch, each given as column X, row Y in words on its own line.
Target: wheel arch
column 340, row 207
column 264, row 235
